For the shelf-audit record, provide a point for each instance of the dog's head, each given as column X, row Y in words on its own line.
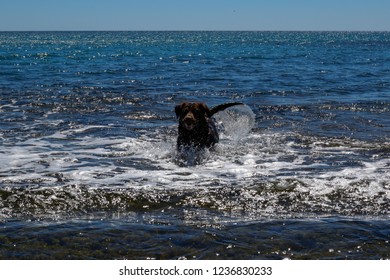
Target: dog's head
column 191, row 115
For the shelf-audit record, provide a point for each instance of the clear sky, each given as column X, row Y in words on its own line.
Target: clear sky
column 324, row 15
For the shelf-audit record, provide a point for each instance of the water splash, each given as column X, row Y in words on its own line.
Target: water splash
column 236, row 122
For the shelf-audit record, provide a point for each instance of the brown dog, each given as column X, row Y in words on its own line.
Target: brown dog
column 196, row 127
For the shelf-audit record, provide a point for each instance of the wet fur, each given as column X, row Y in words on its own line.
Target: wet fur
column 196, row 127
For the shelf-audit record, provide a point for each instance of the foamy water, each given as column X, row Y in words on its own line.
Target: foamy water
column 268, row 174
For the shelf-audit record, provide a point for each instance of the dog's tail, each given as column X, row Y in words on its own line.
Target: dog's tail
column 221, row 107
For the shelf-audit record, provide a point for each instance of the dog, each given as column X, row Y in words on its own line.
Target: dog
column 197, row 130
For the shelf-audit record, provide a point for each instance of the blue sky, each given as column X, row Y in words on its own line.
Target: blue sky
column 345, row 15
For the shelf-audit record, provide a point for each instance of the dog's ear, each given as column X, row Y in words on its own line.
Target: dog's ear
column 206, row 110
column 179, row 109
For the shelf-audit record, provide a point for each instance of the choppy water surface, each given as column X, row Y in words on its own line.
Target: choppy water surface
column 88, row 165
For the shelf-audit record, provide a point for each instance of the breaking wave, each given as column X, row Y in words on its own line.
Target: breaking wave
column 252, row 174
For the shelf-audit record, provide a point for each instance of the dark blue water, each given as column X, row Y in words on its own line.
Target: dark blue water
column 88, row 167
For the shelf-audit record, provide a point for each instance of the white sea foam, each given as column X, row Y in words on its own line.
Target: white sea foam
column 281, row 162
column 151, row 162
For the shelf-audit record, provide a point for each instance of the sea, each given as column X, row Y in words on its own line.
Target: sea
column 88, row 160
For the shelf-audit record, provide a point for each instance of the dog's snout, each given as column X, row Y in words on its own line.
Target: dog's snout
column 189, row 117
column 189, row 120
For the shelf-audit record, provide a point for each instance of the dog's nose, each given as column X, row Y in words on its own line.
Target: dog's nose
column 189, row 120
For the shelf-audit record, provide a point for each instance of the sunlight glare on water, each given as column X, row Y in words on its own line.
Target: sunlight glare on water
column 88, row 145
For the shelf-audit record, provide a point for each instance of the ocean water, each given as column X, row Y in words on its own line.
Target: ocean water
column 89, row 169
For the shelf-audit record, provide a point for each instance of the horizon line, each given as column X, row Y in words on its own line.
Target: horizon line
column 192, row 30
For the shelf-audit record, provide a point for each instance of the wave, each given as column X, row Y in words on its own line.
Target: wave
column 252, row 174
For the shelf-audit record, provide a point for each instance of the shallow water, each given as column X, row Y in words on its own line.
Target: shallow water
column 89, row 169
